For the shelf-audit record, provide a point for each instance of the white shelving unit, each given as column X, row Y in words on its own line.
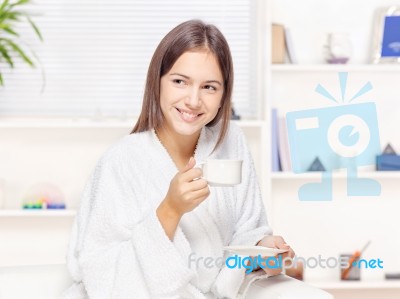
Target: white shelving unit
column 354, row 285
column 335, row 175
column 343, row 224
column 36, row 213
column 335, row 68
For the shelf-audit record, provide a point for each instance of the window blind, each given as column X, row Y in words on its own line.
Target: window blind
column 95, row 54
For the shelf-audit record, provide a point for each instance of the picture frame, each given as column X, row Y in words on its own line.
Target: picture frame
column 386, row 47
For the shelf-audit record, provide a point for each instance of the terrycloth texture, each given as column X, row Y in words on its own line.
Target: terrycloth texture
column 119, row 248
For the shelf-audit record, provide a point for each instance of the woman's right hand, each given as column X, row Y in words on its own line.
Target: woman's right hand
column 186, row 190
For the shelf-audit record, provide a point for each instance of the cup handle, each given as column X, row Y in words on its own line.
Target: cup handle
column 203, row 166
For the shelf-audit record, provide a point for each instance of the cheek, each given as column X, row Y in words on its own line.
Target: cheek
column 214, row 103
column 170, row 95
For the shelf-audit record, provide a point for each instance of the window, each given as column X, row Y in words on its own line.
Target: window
column 95, row 54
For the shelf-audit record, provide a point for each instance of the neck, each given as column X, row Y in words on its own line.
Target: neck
column 179, row 147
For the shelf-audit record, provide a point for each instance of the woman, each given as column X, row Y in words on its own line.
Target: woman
column 146, row 214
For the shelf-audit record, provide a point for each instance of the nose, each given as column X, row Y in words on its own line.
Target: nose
column 193, row 98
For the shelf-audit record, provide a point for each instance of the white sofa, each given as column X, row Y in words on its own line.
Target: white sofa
column 33, row 282
column 49, row 281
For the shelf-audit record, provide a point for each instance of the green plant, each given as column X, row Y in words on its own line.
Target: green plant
column 10, row 41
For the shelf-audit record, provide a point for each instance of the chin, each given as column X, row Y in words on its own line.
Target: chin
column 186, row 130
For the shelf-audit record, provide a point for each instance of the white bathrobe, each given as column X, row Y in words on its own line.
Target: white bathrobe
column 119, row 248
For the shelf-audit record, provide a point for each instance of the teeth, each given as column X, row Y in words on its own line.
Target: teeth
column 188, row 115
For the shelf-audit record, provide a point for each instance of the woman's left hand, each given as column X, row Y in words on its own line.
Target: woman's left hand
column 276, row 242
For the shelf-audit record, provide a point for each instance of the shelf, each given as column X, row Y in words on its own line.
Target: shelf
column 63, row 123
column 37, row 213
column 335, row 175
column 84, row 123
column 363, row 284
column 335, row 68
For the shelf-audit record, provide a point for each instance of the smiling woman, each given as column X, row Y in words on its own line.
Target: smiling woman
column 147, row 208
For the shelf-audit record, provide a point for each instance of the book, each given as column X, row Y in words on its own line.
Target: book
column 289, row 46
column 278, row 43
column 284, row 150
column 274, row 141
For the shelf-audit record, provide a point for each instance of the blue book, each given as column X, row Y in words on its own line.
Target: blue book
column 391, row 37
column 388, row 162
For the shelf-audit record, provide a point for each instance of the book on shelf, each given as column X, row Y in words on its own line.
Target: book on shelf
column 284, row 149
column 278, row 43
column 289, row 46
column 274, row 141
column 282, row 45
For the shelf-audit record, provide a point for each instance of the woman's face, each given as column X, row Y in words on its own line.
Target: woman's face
column 191, row 92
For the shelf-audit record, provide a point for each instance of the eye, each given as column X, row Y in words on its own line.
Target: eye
column 178, row 81
column 210, row 87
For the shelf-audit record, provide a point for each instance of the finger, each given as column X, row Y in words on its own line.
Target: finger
column 200, row 195
column 192, row 174
column 280, row 243
column 198, row 185
column 190, row 164
column 291, row 253
column 284, row 255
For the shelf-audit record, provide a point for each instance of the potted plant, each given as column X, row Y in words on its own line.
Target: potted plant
column 10, row 41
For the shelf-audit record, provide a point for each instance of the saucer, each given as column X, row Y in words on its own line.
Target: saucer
column 254, row 250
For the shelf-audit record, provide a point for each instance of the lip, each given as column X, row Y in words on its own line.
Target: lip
column 188, row 116
column 188, row 111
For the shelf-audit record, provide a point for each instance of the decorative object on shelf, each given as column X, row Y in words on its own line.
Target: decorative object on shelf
column 388, row 160
column 234, row 116
column 386, row 36
column 352, row 272
column 11, row 45
column 389, row 150
column 316, row 165
column 392, row 275
column 338, row 48
column 2, row 192
column 44, row 196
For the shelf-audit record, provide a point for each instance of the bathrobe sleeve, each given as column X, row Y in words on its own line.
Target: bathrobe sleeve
column 119, row 249
column 250, row 222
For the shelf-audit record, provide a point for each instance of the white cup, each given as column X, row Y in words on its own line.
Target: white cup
column 222, row 172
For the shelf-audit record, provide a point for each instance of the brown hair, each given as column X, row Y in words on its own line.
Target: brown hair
column 188, row 36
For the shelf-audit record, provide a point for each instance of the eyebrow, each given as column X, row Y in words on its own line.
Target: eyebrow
column 187, row 77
